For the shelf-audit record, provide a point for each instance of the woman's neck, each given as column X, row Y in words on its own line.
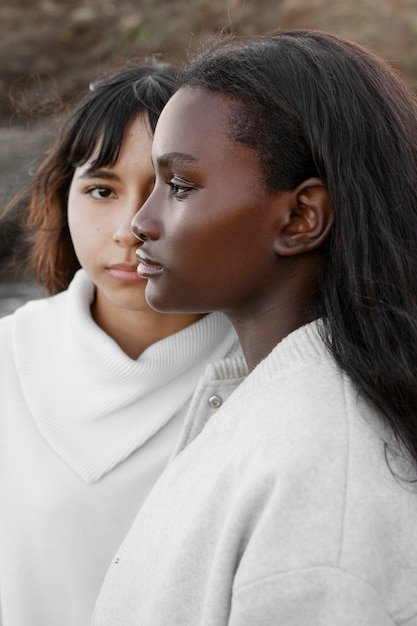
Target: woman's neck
column 134, row 331
column 284, row 309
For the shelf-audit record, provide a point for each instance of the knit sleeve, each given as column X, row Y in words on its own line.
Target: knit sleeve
column 316, row 596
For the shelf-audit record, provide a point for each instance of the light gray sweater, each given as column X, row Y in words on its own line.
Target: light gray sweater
column 283, row 511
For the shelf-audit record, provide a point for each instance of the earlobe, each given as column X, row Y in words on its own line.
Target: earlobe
column 308, row 220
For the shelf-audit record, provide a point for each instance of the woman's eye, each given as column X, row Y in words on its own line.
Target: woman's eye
column 100, row 193
column 179, row 187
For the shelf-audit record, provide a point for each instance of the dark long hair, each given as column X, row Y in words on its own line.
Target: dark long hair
column 100, row 119
column 311, row 103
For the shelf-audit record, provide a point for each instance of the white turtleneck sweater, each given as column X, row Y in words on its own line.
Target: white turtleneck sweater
column 85, row 431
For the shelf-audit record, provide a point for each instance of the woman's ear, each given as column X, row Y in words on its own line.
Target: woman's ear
column 307, row 221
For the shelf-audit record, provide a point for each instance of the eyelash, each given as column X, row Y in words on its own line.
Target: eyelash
column 90, row 191
column 179, row 188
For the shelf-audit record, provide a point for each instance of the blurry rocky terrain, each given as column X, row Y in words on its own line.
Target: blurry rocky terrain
column 51, row 49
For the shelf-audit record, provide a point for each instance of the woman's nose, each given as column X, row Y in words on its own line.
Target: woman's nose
column 123, row 233
column 144, row 225
column 140, row 236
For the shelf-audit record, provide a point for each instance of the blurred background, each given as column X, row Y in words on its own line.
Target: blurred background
column 50, row 50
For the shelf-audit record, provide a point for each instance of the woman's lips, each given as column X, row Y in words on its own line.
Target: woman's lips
column 125, row 272
column 147, row 268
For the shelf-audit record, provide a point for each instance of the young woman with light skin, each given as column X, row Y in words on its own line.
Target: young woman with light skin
column 95, row 385
column 101, row 205
column 285, row 197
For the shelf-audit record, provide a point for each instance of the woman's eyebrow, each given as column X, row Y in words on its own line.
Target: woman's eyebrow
column 92, row 172
column 170, row 159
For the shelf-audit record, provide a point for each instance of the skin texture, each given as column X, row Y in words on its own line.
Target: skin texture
column 213, row 237
column 101, row 205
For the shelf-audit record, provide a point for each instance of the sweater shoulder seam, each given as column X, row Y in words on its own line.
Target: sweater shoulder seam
column 332, row 568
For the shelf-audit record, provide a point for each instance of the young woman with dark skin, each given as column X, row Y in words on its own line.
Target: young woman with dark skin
column 94, row 384
column 286, row 197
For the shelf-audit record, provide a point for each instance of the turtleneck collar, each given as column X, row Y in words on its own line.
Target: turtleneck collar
column 92, row 403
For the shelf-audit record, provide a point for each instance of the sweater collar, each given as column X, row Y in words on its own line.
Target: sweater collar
column 91, row 402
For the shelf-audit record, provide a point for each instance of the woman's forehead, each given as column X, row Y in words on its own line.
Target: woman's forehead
column 193, row 115
column 104, row 142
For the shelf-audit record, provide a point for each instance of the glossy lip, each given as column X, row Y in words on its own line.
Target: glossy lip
column 125, row 272
column 147, row 268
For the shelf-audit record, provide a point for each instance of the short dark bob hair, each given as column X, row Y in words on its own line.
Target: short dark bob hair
column 99, row 119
